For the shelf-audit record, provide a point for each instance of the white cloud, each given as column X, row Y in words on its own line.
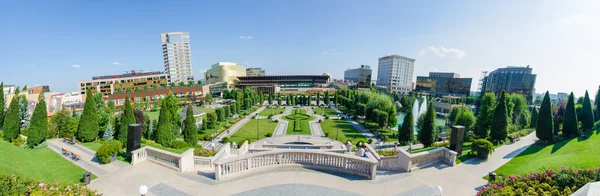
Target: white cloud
column 434, row 68
column 76, row 66
column 245, row 37
column 421, row 52
column 116, row 63
column 443, row 52
column 331, row 51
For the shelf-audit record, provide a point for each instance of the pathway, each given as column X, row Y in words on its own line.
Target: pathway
column 359, row 127
column 88, row 159
column 232, row 130
column 282, row 124
column 315, row 126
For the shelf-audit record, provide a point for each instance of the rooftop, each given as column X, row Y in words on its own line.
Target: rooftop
column 126, row 75
column 397, row 56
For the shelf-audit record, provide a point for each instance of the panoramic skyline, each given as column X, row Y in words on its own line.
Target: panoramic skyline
column 61, row 44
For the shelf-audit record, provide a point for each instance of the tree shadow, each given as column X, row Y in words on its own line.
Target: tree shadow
column 534, row 148
column 585, row 136
column 515, row 152
column 557, row 146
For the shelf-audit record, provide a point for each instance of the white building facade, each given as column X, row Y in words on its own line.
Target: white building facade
column 395, row 73
column 177, row 56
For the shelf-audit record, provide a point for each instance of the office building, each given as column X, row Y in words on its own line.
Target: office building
column 185, row 94
column 444, row 84
column 39, row 89
column 395, row 73
column 284, row 83
column 177, row 56
column 128, row 81
column 224, row 72
column 9, row 89
column 519, row 80
column 359, row 76
column 255, row 71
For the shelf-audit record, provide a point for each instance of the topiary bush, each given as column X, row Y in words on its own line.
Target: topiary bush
column 18, row 142
column 204, row 152
column 269, row 134
column 320, row 120
column 225, row 140
column 483, row 148
column 326, row 134
column 370, row 141
column 107, row 150
column 178, row 144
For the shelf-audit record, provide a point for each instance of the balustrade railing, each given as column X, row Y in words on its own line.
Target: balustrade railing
column 410, row 162
column 240, row 165
column 180, row 162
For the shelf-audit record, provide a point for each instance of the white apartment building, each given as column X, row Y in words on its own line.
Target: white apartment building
column 395, row 73
column 177, row 56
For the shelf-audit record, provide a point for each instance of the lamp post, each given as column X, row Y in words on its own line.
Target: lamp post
column 257, row 129
column 437, row 191
column 337, row 126
column 143, row 190
column 212, row 145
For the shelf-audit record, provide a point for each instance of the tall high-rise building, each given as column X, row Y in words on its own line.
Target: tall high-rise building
column 395, row 73
column 361, row 76
column 177, row 56
column 511, row 79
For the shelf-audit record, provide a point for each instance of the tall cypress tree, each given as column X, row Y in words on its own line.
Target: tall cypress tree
column 12, row 121
column 484, row 119
column 406, row 131
column 587, row 115
column 270, row 98
column 2, row 104
column 164, row 133
column 391, row 119
column 318, row 98
column 326, row 99
column 499, row 127
column 38, row 126
column 88, row 124
column 127, row 118
column 596, row 104
column 570, row 120
column 190, row 130
column 545, row 123
column 534, row 117
column 427, row 134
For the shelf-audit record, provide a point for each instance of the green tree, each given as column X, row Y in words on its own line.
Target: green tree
column 587, row 117
column 38, row 125
column 2, row 104
column 227, row 111
column 570, row 120
column 484, row 119
column 287, row 100
column 545, row 123
column 335, row 98
column 12, row 121
column 199, row 82
column 465, row 117
column 208, row 98
column 127, row 118
column 596, row 103
column 270, row 99
column 88, row 124
column 406, row 130
column 391, row 119
column 381, row 117
column 279, row 101
column 261, row 98
column 190, row 130
column 318, row 98
column 211, row 120
column 164, row 133
column 427, row 133
column 523, row 119
column 326, row 98
column 534, row 117
column 172, row 106
column 220, row 114
column 520, row 104
column 499, row 128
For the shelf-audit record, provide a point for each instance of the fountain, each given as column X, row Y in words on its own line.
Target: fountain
column 418, row 111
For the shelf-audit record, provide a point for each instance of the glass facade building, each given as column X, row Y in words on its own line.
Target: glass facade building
column 361, row 76
column 519, row 80
column 443, row 84
column 177, row 56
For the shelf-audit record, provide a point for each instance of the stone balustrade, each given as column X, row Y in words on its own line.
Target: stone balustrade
column 405, row 161
column 244, row 164
column 179, row 162
column 225, row 151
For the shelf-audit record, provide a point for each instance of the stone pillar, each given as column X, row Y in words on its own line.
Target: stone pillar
column 457, row 139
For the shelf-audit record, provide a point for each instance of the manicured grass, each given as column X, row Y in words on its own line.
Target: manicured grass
column 271, row 110
column 248, row 131
column 298, row 115
column 92, row 145
column 325, row 112
column 346, row 131
column 575, row 153
column 39, row 164
column 176, row 151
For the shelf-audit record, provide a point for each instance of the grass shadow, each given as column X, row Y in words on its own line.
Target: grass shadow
column 534, row 148
column 515, row 152
column 557, row 146
column 585, row 136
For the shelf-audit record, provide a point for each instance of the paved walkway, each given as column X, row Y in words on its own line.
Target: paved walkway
column 232, row 130
column 359, row 127
column 282, row 124
column 88, row 159
column 315, row 126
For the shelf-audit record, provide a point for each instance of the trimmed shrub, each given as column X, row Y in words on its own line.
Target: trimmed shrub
column 441, row 144
column 370, row 141
column 178, row 144
column 225, row 140
column 107, row 150
column 204, row 152
column 327, row 134
column 320, row 120
column 18, row 142
column 269, row 134
column 482, row 145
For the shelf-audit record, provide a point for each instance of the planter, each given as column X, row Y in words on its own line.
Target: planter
column 113, row 158
column 483, row 153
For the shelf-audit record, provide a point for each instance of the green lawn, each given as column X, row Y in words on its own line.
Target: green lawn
column 576, row 153
column 92, row 145
column 176, row 151
column 39, row 164
column 271, row 110
column 325, row 112
column 346, row 131
column 299, row 115
column 248, row 131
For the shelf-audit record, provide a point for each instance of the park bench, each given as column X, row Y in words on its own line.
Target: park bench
column 75, row 157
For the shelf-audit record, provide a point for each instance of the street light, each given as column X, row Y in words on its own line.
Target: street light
column 143, row 190
column 337, row 126
column 212, row 145
column 257, row 129
column 437, row 191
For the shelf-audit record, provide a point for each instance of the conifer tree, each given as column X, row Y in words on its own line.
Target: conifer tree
column 587, row 114
column 12, row 120
column 407, row 129
column 127, row 118
column 391, row 119
column 596, row 104
column 38, row 126
column 2, row 104
column 499, row 127
column 427, row 134
column 484, row 119
column 545, row 122
column 190, row 130
column 270, row 98
column 318, row 98
column 326, row 99
column 88, row 124
column 534, row 117
column 164, row 134
column 570, row 120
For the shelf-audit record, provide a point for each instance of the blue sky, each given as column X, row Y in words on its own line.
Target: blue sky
column 43, row 40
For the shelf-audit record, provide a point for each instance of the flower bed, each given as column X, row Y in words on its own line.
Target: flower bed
column 549, row 182
column 14, row 185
